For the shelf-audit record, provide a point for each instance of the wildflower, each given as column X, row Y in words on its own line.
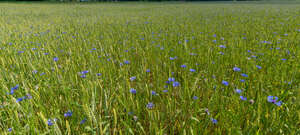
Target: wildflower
column 68, row 114
column 192, row 70
column 126, row 62
column 153, row 93
column 176, row 84
column 257, row 66
column 83, row 76
column 9, row 130
column 225, row 83
column 273, row 99
column 34, row 71
column 236, row 69
column 171, row 79
column 222, row 46
column 51, row 122
column 283, row 59
column 206, row 110
column 12, row 90
column 238, row 91
column 221, row 53
column 148, row 70
column 99, row 74
column 243, row 98
column 20, row 99
column 165, row 91
column 242, row 80
column 183, row 66
column 133, row 91
column 244, row 75
column 55, row 59
column 84, row 72
column 214, row 121
column 132, row 78
column 83, row 121
column 150, row 105
column 195, row 97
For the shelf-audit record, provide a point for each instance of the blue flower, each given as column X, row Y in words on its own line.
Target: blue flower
column 51, row 122
column 195, row 97
column 126, row 62
column 238, row 91
column 83, row 121
column 242, row 80
column 68, row 114
column 150, row 105
column 244, row 75
column 84, row 72
column 83, row 76
column 171, row 79
column 279, row 103
column 9, row 130
column 148, row 70
column 225, row 83
column 153, row 93
column 283, row 59
column 176, row 84
column 12, row 90
column 236, row 69
column 20, row 99
column 133, row 91
column 272, row 99
column 243, row 98
column 257, row 66
column 192, row 70
column 183, row 66
column 222, row 46
column 165, row 91
column 214, row 121
column 55, row 59
column 132, row 78
column 99, row 74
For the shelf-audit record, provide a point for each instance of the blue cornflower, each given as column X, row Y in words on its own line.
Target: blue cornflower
column 195, row 97
column 42, row 74
column 222, row 46
column 84, row 72
column 214, row 121
column 192, row 70
column 121, row 64
column 150, row 105
column 257, row 66
column 236, row 69
column 238, row 91
column 46, row 53
column 34, row 71
column 133, row 91
column 243, row 98
column 272, row 99
column 171, row 79
column 132, row 78
column 55, row 59
column 225, row 83
column 9, row 130
column 148, row 70
column 99, row 74
column 20, row 99
column 176, row 84
column 183, row 66
column 83, row 76
column 283, row 59
column 51, row 122
column 126, row 62
column 244, row 75
column 153, row 93
column 242, row 80
column 20, row 51
column 279, row 103
column 68, row 114
column 12, row 90
column 165, row 91
column 83, row 121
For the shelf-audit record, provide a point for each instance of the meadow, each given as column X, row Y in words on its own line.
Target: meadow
column 149, row 68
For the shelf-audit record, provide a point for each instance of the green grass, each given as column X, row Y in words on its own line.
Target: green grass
column 147, row 35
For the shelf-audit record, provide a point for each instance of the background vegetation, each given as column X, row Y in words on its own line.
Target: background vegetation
column 155, row 68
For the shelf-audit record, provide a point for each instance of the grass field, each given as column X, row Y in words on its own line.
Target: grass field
column 149, row 68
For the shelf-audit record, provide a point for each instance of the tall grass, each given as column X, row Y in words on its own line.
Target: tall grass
column 155, row 68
